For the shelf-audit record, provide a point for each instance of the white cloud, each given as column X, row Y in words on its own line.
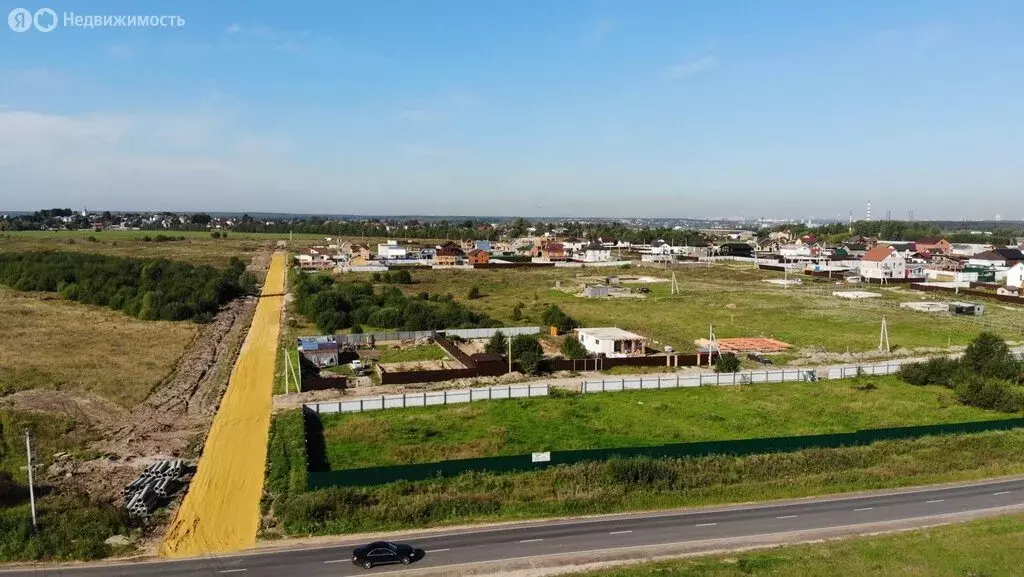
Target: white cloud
column 692, row 67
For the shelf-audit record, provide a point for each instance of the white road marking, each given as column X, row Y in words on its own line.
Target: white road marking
column 786, row 517
column 864, row 509
column 705, row 524
column 335, row 561
column 232, row 570
column 1002, row 493
column 437, row 550
column 934, row 501
column 620, row 532
column 530, row 540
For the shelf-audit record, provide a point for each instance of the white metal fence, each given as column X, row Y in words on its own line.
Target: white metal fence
column 429, row 398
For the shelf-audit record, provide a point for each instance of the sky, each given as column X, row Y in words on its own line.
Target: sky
column 640, row 108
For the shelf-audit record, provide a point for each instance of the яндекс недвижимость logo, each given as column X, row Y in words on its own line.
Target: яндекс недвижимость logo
column 46, row 19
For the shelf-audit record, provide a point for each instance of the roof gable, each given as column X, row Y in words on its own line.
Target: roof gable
column 878, row 254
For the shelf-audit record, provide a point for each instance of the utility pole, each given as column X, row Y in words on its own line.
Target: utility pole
column 883, row 339
column 31, row 488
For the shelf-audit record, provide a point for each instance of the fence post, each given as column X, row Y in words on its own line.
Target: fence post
column 360, row 405
column 509, row 393
column 445, row 398
column 404, row 398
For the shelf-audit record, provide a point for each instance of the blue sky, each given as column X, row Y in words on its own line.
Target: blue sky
column 555, row 107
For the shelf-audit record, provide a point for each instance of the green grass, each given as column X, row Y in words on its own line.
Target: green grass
column 638, row 418
column 70, row 526
column 732, row 298
column 286, row 457
column 411, row 354
column 989, row 548
column 622, row 485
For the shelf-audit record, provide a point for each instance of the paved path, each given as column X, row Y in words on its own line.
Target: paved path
column 221, row 511
column 448, row 553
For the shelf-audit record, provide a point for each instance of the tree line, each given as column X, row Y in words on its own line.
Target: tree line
column 334, row 305
column 148, row 289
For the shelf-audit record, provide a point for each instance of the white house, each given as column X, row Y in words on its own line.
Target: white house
column 883, row 262
column 795, row 250
column 596, row 253
column 612, row 342
column 1015, row 276
column 390, row 250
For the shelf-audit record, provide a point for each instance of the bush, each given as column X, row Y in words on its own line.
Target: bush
column 527, row 352
column 498, row 344
column 554, row 317
column 572, row 348
column 375, row 277
column 992, row 394
column 215, row 234
column 989, row 356
column 517, row 312
column 937, row 371
column 92, row 238
column 474, row 293
column 727, row 363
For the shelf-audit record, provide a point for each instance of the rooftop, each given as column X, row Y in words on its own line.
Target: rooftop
column 611, row 334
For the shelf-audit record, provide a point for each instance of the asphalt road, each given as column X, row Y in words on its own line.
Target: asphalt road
column 582, row 536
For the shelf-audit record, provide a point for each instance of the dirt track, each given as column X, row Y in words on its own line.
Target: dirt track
column 221, row 512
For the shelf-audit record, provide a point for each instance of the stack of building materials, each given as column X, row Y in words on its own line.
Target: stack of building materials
column 158, row 481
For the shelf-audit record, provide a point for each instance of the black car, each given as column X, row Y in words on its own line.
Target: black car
column 383, row 553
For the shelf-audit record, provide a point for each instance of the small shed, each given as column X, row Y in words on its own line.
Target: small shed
column 322, row 353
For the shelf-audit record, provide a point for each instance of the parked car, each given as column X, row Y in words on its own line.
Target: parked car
column 383, row 553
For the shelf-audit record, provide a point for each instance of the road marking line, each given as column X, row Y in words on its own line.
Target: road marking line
column 786, row 517
column 530, row 540
column 620, row 532
column 336, row 561
column 705, row 524
column 864, row 509
column 437, row 550
column 1002, row 493
column 232, row 570
column 934, row 501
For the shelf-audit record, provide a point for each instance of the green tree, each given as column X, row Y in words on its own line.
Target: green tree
column 572, row 348
column 527, row 353
column 989, row 356
column 330, row 321
column 727, row 363
column 498, row 344
column 248, row 283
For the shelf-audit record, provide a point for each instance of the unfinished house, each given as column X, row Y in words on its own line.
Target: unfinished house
column 612, row 342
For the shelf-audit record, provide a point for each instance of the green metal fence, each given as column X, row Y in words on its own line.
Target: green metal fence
column 738, row 447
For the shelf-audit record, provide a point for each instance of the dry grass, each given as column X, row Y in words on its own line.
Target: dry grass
column 56, row 344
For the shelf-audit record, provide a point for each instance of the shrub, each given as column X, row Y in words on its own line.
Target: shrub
column 727, row 363
column 474, row 293
column 937, row 371
column 572, row 348
column 92, row 238
column 527, row 352
column 498, row 344
column 554, row 317
column 517, row 312
column 989, row 356
column 215, row 234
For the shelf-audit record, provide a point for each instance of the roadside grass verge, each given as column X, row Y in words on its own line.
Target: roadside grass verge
column 286, row 461
column 989, row 547
column 622, row 485
column 636, row 418
column 71, row 527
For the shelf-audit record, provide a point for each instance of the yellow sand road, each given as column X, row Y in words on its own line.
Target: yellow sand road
column 221, row 512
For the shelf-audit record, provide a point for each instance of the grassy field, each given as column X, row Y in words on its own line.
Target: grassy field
column 57, row 344
column 989, row 548
column 731, row 297
column 622, row 485
column 410, row 354
column 198, row 247
column 638, row 418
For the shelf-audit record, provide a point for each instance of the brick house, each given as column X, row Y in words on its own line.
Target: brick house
column 478, row 256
